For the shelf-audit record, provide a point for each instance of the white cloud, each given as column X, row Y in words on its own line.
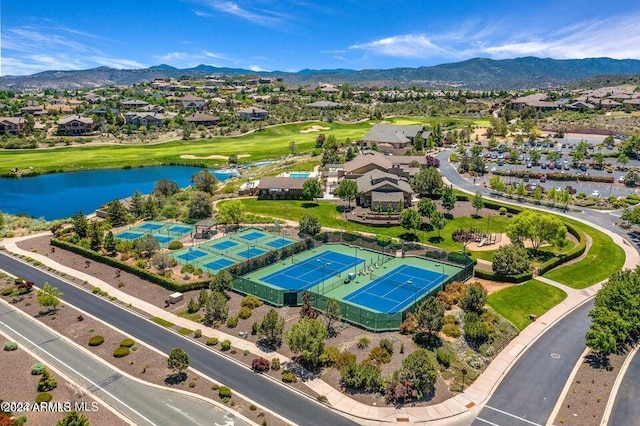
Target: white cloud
column 256, row 68
column 404, row 46
column 190, row 59
column 256, row 16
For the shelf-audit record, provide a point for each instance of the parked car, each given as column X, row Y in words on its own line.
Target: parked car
column 595, row 193
column 543, row 179
column 543, row 165
column 529, row 165
column 583, row 168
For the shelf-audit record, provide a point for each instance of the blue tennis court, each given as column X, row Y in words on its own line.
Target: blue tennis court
column 127, row 235
column 396, row 290
column 252, row 236
column 309, row 272
column 192, row 255
column 224, row 245
column 248, row 254
column 150, row 226
column 162, row 239
column 180, row 229
column 218, row 264
column 279, row 243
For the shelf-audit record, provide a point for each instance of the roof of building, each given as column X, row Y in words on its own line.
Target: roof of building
column 390, row 133
column 364, row 160
column 279, row 182
column 325, row 104
column 387, row 197
column 252, row 110
column 70, row 118
column 376, row 179
column 12, row 120
column 199, row 117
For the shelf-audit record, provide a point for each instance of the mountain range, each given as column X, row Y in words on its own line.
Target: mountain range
column 473, row 74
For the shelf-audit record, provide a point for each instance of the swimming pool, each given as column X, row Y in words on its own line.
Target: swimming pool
column 299, row 175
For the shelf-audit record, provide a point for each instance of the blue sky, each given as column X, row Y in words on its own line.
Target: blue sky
column 290, row 35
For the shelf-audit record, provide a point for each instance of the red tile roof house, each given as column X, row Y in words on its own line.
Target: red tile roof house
column 253, row 113
column 13, row 125
column 280, row 188
column 75, row 125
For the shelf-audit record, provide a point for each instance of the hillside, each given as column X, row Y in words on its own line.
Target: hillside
column 477, row 73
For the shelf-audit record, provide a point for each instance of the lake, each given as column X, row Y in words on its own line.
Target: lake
column 60, row 195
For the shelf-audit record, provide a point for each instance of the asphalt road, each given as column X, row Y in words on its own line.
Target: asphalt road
column 626, row 410
column 529, row 392
column 291, row 405
column 141, row 403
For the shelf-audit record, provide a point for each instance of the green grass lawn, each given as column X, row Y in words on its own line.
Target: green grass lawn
column 603, row 259
column 517, row 302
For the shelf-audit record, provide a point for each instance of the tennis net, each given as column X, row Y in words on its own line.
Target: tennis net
column 221, row 253
column 388, row 282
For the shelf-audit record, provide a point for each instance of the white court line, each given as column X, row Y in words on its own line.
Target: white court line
column 512, row 415
column 78, row 373
column 487, row 421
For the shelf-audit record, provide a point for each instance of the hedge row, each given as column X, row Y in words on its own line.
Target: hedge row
column 487, row 275
column 573, row 254
column 146, row 275
column 555, row 176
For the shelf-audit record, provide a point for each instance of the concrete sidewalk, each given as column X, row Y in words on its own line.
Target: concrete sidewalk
column 458, row 410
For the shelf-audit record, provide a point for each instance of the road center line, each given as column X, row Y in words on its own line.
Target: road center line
column 487, row 421
column 34, row 345
column 512, row 415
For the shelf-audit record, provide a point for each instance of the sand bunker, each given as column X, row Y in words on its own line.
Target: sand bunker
column 314, row 129
column 211, row 157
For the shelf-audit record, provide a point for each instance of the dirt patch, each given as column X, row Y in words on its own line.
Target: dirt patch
column 211, row 157
column 314, row 128
column 18, row 384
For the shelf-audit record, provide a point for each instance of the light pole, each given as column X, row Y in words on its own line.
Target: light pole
column 249, row 246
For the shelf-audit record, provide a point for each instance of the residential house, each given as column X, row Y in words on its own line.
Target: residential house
column 13, row 125
column 609, row 104
column 201, row 119
column 133, row 104
column 253, row 114
column 326, row 105
column 399, row 165
column 537, row 101
column 280, row 188
column 194, row 102
column 58, row 108
column 32, row 107
column 390, row 136
column 635, row 103
column 379, row 190
column 74, row 125
column 152, row 108
column 580, row 106
column 146, row 119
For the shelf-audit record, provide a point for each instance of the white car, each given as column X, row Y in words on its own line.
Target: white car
column 493, row 169
column 595, row 193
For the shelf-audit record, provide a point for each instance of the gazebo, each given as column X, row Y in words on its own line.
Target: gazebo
column 206, row 228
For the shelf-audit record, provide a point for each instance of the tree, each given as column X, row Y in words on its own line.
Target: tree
column 204, row 181
column 521, row 191
column 309, row 224
column 438, row 221
column 430, row 316
column 231, row 212
column 137, row 205
column 511, row 259
column 332, row 315
column 418, row 142
column 166, row 188
column 109, row 244
column 306, row 338
column 622, row 159
column 311, row 189
column 410, row 220
column 473, row 298
column 216, row 309
column 80, row 224
column 347, row 190
column 272, row 327
column 116, row 213
column 233, row 160
column 178, row 361
column 162, row 261
column 293, row 147
column 426, row 208
column 496, row 184
column 146, row 245
column 150, row 207
column 427, row 181
column 448, row 199
column 200, row 205
column 47, row 381
column 535, row 157
column 419, row 370
column 95, row 237
column 73, row 418
column 539, row 228
column 221, row 282
column 477, row 202
column 49, row 296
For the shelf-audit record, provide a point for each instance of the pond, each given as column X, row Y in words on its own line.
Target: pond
column 60, row 195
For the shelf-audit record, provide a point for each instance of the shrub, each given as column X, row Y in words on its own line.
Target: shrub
column 451, row 294
column 224, row 393
column 511, row 259
column 451, row 330
column 289, row 377
column 362, row 376
column 260, row 365
column 250, row 302
column 232, row 322
column 363, row 342
column 344, row 358
column 7, row 291
column 37, row 368
column 387, row 345
column 502, row 210
column 212, row 341
column 10, row 346
column 121, row 352
column 188, row 269
column 96, row 341
column 225, row 345
column 449, row 319
column 275, row 364
column 486, row 349
column 127, row 343
column 255, row 328
column 47, row 382
column 197, row 333
column 410, row 324
column 175, row 245
column 380, row 355
column 330, row 356
column 44, row 397
column 444, row 356
column 244, row 312
column 475, row 331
